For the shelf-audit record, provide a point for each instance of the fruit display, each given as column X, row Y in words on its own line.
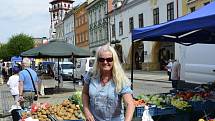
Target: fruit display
column 194, row 96
column 76, row 99
column 179, row 103
column 201, row 119
column 139, row 102
column 64, row 111
column 160, row 100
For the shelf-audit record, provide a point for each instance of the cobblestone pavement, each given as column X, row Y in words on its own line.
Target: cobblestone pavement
column 5, row 103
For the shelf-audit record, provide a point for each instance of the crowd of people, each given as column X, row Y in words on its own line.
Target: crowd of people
column 22, row 82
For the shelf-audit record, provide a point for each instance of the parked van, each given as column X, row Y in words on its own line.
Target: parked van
column 83, row 65
column 65, row 70
column 198, row 63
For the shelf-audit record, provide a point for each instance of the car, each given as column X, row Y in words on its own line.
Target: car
column 65, row 69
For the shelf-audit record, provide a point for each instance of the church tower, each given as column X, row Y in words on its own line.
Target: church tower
column 58, row 9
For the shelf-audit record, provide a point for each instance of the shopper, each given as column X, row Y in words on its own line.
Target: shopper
column 106, row 88
column 26, row 88
column 169, row 68
column 13, row 83
column 175, row 74
column 4, row 71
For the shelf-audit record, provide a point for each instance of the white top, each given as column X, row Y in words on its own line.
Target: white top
column 176, row 68
column 13, row 84
column 169, row 66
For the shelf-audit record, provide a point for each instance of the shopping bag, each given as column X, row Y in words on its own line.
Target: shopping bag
column 146, row 115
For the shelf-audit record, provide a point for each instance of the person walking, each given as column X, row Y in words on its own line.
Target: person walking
column 13, row 83
column 175, row 74
column 4, row 72
column 106, row 88
column 28, row 84
column 169, row 68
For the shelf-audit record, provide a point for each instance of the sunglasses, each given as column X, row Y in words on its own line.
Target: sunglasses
column 107, row 59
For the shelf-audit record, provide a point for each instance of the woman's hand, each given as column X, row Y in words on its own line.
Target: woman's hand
column 89, row 116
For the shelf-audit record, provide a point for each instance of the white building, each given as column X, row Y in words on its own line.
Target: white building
column 97, row 21
column 137, row 14
column 69, row 27
column 58, row 9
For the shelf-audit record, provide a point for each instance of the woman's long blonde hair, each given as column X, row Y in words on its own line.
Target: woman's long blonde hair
column 118, row 74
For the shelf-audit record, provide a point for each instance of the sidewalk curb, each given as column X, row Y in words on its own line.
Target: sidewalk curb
column 151, row 80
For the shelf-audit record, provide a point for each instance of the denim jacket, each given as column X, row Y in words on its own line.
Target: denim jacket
column 105, row 103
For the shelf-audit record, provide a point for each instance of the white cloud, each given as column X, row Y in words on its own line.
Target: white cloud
column 25, row 16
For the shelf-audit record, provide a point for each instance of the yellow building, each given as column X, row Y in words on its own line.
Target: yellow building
column 192, row 5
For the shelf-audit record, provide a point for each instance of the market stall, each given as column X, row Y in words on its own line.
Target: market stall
column 190, row 104
column 196, row 27
column 68, row 110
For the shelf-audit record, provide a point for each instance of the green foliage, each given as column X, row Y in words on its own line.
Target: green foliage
column 19, row 43
column 4, row 54
column 76, row 99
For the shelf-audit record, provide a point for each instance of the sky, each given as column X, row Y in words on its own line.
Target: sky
column 30, row 17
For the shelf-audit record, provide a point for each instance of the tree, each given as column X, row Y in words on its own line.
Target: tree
column 4, row 54
column 20, row 43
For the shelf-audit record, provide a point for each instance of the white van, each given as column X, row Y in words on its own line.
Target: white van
column 83, row 65
column 198, row 63
column 65, row 70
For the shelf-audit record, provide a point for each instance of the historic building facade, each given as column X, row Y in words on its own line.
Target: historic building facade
column 98, row 23
column 69, row 26
column 132, row 14
column 81, row 26
column 58, row 9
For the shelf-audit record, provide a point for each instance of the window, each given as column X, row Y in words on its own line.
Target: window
column 113, row 30
column 86, row 35
column 192, row 9
column 131, row 24
column 141, row 20
column 120, row 28
column 170, row 11
column 100, row 15
column 156, row 16
column 91, row 62
column 82, row 37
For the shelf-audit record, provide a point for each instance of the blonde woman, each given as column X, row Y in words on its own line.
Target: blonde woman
column 106, row 89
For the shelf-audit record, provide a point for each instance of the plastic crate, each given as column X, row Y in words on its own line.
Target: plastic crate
column 166, row 111
column 198, row 105
column 210, row 105
column 68, row 120
column 182, row 116
column 139, row 111
column 53, row 118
